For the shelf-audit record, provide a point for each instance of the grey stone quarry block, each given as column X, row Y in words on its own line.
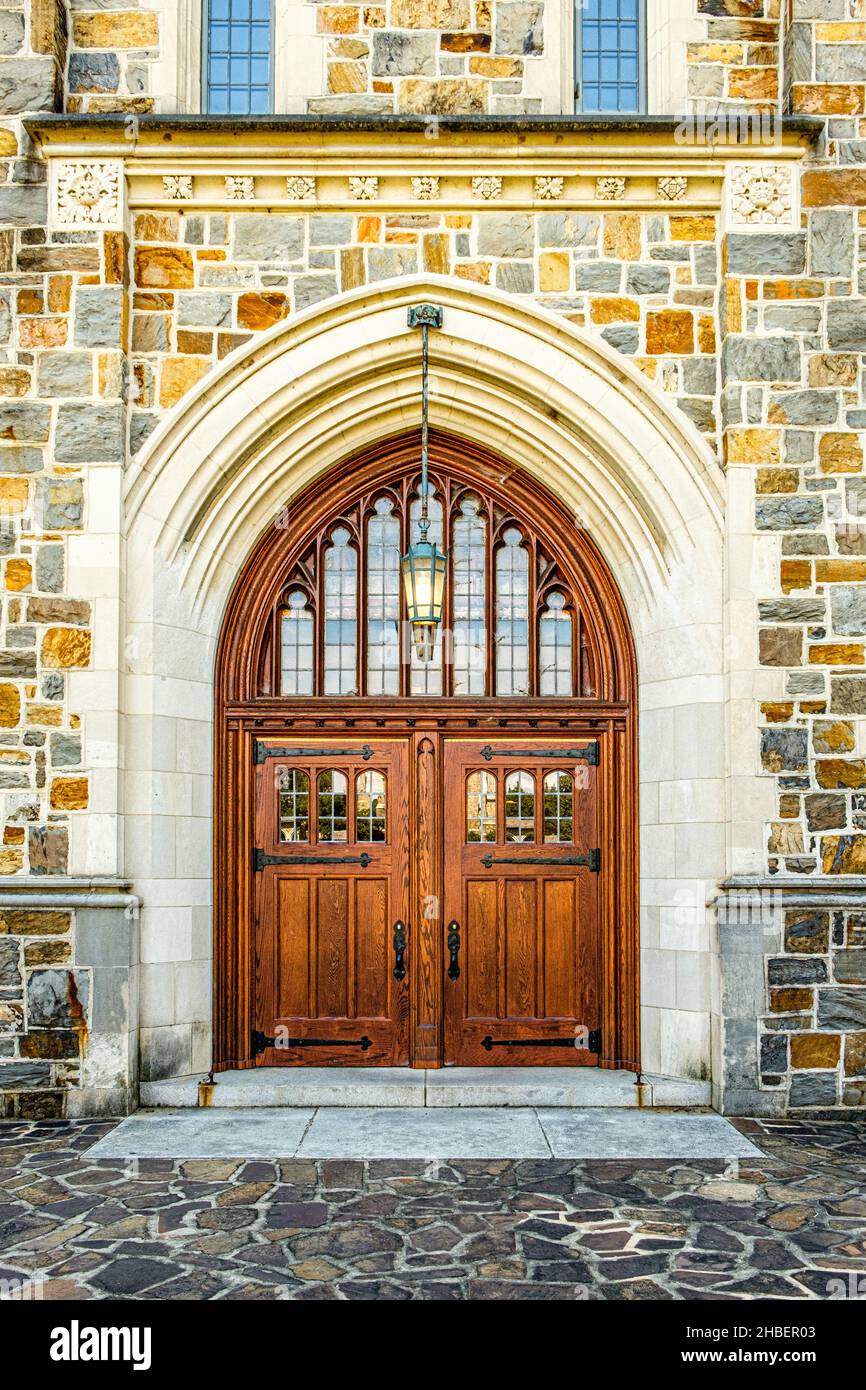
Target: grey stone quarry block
column 793, row 318
column 103, row 939
column 848, row 695
column 312, row 289
column 65, row 750
column 20, row 458
column 840, row 62
column 848, row 606
column 799, row 446
column 388, row 261
column 625, row 337
column 10, row 962
column 267, row 237
column 142, row 423
column 49, row 568
column 204, row 310
column 846, row 323
column 11, row 32
column 28, row 84
column 53, row 686
column 54, row 997
column 505, row 234
column 648, row 279
column 761, row 359
column 808, row 407
column 786, row 749
column 805, row 683
column 15, row 1075
column 757, row 253
column 98, row 314
column 402, row 54
column 793, row 610
column 89, row 433
column 61, row 502
column 519, row 27
column 787, row 513
column 150, row 333
column 816, row 1089
column 706, row 265
column 64, row 374
column 832, row 246
column 843, row 1009
column 850, row 966
column 327, row 230
column 792, row 970
column 23, row 205
column 798, row 53
column 774, row 1052
column 699, row 376
column 94, row 72
column 597, row 275
column 568, row 229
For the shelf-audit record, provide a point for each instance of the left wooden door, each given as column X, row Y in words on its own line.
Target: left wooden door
column 331, row 862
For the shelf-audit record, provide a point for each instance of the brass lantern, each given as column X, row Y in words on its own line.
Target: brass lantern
column 424, row 566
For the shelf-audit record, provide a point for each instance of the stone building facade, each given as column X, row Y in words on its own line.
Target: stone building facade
column 702, row 265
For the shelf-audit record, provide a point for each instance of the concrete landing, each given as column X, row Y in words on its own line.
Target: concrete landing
column 448, row 1088
column 435, row 1134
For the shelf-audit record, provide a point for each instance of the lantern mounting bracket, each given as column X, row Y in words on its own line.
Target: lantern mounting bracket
column 429, row 314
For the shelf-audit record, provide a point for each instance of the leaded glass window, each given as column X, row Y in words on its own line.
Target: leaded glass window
column 480, row 807
column 426, row 676
column 610, row 55
column 554, row 648
column 520, row 807
column 512, row 616
column 333, row 807
column 294, row 804
column 340, row 616
column 298, row 635
column 370, row 806
column 383, row 600
column 469, row 561
column 558, row 806
column 238, row 48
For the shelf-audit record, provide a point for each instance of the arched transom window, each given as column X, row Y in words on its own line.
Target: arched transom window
column 511, row 624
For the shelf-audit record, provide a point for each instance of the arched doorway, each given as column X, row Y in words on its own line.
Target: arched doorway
column 436, row 863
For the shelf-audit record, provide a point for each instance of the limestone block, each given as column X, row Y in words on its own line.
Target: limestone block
column 267, row 237
column 519, row 27
column 404, row 54
column 89, row 433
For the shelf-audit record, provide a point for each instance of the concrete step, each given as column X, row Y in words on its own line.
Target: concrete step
column 450, row 1087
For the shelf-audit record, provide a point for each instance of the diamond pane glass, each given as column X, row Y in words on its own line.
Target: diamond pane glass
column 370, row 807
column 298, row 631
column 383, row 600
column 480, row 807
column 341, row 621
column 333, row 807
column 512, row 616
column 520, row 808
column 558, row 806
column 294, row 804
column 469, row 559
column 554, row 648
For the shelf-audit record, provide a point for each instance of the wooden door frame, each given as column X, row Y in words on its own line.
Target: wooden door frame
column 242, row 715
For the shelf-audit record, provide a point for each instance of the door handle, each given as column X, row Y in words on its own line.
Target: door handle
column 399, row 950
column 454, row 948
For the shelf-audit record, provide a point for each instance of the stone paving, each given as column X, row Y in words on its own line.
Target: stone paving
column 782, row 1227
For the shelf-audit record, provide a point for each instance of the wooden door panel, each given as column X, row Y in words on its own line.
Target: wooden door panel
column 527, row 914
column 327, row 902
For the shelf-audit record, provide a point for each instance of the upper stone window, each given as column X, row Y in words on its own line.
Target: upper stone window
column 238, row 46
column 610, row 55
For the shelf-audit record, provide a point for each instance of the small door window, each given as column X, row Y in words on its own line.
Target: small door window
column 558, row 808
column 554, row 648
column 480, row 807
column 294, row 804
column 333, row 807
column 520, row 808
column 341, row 628
column 298, row 631
column 512, row 615
column 370, row 806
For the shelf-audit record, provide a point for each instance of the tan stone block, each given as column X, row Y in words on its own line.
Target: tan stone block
column 69, row 794
column 843, row 854
column 622, row 236
column 777, row 712
column 777, row 480
column 8, row 141
column 157, row 226
column 706, row 333
column 430, row 14
column 789, row 807
column 836, row 654
column 833, row 736
column 20, row 922
column 828, row 99
column 437, row 253
column 116, row 258
column 553, row 271
column 66, row 647
column 670, row 331
column 13, row 834
column 459, row 96
column 614, row 310
column 46, row 953
column 13, row 494
column 840, row 453
column 11, row 861
column 795, row 574
column 790, row 1000
column 348, row 48
column 834, row 187
column 337, row 19
column 347, row 77
column 840, row 33
column 833, row 773
column 59, row 293
column 753, row 84
column 479, row 271
column 51, row 715
column 42, row 333
column 163, row 267
column 815, row 1050
column 458, row 220
column 19, row 574
column 380, row 86
column 375, row 17
column 352, row 268
column 693, row 228
column 840, row 571
column 484, row 15
column 833, row 369
column 855, row 1054
column 194, row 341
column 369, row 229
column 733, row 306
column 29, row 301
column 725, row 53
column 14, row 381
column 258, row 311
column 780, row 646
column 785, row 838
column 116, row 29
column 496, row 67
column 813, row 706
column 10, row 706
column 178, row 375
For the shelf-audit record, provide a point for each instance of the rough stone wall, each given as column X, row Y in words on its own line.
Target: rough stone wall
column 42, row 1015
column 737, row 65
column 110, row 55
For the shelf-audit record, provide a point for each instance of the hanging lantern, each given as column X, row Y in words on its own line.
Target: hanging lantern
column 424, row 566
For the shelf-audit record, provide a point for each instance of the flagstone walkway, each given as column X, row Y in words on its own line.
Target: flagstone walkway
column 790, row 1224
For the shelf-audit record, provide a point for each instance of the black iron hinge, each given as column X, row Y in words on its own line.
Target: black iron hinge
column 262, row 860
column 588, row 753
column 263, row 751
column 261, row 1041
column 591, row 860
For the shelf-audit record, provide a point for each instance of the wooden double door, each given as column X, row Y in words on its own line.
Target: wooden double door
column 427, row 899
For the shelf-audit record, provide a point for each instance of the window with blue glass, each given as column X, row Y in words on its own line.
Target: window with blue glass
column 610, row 55
column 239, row 44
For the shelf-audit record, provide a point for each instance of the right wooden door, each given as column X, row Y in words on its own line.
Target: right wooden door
column 522, row 868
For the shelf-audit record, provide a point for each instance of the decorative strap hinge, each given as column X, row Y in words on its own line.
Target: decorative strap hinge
column 261, row 860
column 263, row 751
column 261, row 1041
column 587, row 753
column 591, row 860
